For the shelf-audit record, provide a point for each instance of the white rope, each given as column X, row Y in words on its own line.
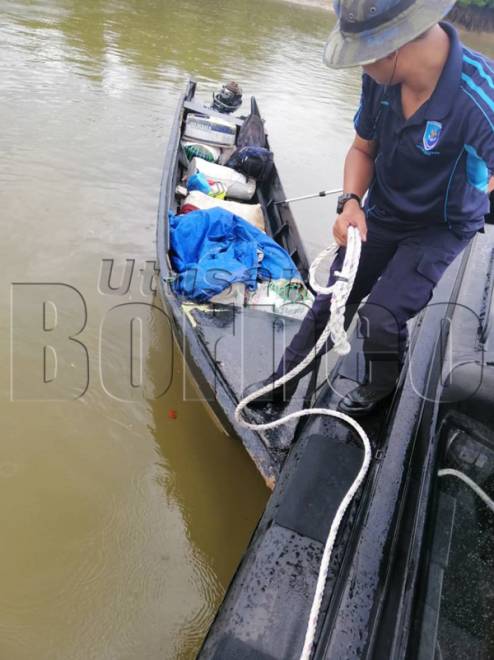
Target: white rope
column 336, row 330
column 469, row 482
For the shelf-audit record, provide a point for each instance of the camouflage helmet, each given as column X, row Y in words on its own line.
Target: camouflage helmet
column 368, row 30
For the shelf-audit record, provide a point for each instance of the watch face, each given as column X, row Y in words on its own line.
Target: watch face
column 342, row 200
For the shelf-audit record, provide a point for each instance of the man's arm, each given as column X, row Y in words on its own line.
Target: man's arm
column 491, row 185
column 359, row 172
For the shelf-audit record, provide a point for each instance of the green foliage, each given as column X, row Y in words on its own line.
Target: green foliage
column 484, row 4
column 474, row 15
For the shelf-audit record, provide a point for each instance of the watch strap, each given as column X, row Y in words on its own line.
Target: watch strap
column 346, row 197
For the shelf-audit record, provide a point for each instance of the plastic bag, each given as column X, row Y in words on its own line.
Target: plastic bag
column 255, row 162
column 288, row 298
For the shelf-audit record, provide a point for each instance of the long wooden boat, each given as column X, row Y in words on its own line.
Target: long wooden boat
column 227, row 348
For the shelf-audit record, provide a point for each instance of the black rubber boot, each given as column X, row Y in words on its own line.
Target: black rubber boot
column 278, row 397
column 366, row 399
column 363, row 401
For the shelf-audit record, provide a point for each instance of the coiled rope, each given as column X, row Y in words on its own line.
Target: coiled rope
column 336, row 330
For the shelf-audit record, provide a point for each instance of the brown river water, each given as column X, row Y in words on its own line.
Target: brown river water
column 124, row 510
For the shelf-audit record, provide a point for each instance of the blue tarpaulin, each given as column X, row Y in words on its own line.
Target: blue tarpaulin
column 211, row 249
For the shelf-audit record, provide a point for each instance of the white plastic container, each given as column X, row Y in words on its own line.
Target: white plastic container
column 210, row 129
column 237, row 185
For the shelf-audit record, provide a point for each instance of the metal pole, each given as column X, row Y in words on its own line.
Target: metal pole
column 323, row 193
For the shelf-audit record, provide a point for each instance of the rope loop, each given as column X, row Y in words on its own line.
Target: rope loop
column 340, row 291
column 335, row 329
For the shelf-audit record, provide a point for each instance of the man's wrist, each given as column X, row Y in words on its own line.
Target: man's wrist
column 348, row 198
column 353, row 203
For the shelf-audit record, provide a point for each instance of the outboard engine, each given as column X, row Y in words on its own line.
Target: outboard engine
column 228, row 99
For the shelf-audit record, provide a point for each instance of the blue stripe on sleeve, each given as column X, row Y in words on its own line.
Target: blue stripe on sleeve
column 480, row 69
column 478, row 90
column 480, row 59
column 491, row 124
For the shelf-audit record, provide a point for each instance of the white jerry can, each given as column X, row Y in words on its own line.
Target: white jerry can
column 236, row 184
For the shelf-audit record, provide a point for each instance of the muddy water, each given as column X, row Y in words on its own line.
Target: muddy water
column 124, row 510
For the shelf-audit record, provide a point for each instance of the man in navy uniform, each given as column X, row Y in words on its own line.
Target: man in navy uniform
column 424, row 154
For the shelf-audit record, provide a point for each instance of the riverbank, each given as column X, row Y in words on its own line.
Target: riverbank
column 473, row 19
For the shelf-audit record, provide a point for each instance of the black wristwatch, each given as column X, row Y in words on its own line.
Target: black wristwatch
column 343, row 199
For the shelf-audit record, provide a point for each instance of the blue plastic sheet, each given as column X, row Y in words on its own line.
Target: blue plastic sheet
column 211, row 249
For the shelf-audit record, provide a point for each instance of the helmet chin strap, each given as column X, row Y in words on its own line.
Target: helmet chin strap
column 386, row 90
column 395, row 64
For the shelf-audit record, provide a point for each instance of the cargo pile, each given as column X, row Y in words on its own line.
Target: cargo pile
column 223, row 165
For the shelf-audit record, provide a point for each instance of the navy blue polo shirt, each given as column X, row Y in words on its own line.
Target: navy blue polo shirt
column 434, row 167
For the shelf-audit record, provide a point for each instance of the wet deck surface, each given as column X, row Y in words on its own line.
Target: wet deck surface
column 266, row 611
column 247, row 345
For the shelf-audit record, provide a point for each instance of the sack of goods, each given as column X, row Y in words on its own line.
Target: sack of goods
column 209, row 129
column 236, row 184
column 204, row 151
column 232, row 295
column 252, row 213
column 288, row 298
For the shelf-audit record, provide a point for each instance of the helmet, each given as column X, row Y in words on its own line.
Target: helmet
column 368, row 30
column 228, row 99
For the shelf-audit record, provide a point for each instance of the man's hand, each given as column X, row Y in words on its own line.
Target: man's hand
column 352, row 216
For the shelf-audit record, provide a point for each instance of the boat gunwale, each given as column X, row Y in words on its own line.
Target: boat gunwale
column 373, row 599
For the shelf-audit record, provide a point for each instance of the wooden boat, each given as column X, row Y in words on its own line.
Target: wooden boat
column 227, row 348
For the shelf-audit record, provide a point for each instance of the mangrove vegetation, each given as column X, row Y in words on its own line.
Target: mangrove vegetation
column 477, row 15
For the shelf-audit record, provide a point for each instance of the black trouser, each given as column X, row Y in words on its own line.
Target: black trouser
column 399, row 269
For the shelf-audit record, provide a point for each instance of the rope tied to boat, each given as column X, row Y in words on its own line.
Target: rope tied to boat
column 335, row 328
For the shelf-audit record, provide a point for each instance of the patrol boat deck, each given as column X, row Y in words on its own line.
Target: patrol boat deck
column 400, row 551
